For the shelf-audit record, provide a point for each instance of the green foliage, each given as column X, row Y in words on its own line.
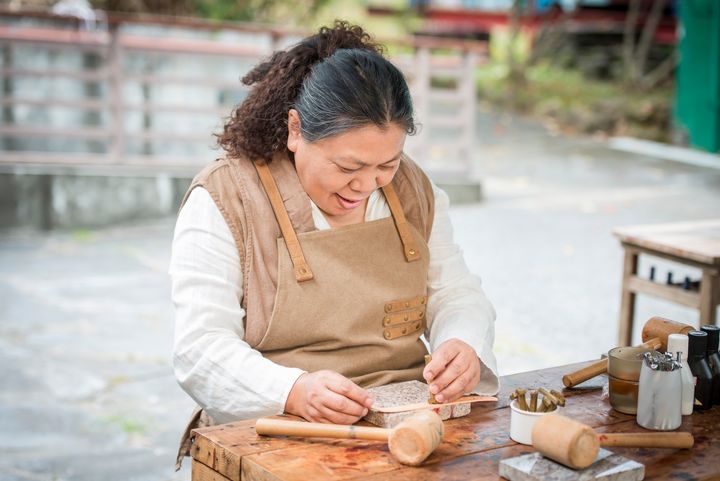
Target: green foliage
column 356, row 11
column 283, row 12
column 241, row 10
column 500, row 43
column 571, row 102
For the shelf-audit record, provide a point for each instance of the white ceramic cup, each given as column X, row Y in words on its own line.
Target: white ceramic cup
column 522, row 422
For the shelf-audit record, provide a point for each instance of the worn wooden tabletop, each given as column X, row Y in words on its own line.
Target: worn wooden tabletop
column 471, row 449
column 697, row 241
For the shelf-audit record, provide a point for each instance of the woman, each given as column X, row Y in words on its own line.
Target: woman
column 308, row 262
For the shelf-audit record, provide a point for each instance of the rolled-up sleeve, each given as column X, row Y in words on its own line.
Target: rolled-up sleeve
column 212, row 362
column 457, row 305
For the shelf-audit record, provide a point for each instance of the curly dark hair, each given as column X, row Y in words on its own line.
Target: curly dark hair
column 336, row 79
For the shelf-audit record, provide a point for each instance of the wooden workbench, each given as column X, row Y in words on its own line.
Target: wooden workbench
column 471, row 449
column 695, row 244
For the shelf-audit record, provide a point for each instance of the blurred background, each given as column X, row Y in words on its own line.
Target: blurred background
column 549, row 123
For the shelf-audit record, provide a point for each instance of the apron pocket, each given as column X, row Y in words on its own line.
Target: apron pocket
column 404, row 329
column 404, row 317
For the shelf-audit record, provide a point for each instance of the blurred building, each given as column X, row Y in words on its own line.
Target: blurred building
column 477, row 18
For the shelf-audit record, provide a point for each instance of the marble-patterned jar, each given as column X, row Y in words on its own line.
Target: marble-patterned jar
column 660, row 392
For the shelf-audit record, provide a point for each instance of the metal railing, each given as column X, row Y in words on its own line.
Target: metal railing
column 117, row 119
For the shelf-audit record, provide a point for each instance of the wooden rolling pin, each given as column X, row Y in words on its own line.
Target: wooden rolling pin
column 576, row 445
column 410, row 442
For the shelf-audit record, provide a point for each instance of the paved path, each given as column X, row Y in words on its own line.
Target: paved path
column 542, row 239
column 86, row 322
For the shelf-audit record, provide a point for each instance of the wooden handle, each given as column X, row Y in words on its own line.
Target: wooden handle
column 647, row 440
column 588, row 372
column 281, row 427
column 654, row 343
column 600, row 367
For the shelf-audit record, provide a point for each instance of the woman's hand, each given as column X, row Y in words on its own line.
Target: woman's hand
column 328, row 397
column 454, row 370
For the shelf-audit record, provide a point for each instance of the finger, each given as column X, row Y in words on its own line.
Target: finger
column 346, row 388
column 336, row 417
column 441, row 357
column 455, row 389
column 451, row 372
column 312, row 414
column 318, row 415
column 324, row 420
column 341, row 404
column 476, row 367
column 464, row 383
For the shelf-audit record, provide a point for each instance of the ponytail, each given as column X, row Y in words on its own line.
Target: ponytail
column 318, row 70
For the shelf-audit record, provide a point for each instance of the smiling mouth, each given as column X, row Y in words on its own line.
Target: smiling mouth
column 348, row 203
column 349, row 200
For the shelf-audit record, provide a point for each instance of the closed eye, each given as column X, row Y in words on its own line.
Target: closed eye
column 348, row 171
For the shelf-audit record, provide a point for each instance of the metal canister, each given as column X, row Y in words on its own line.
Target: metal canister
column 660, row 392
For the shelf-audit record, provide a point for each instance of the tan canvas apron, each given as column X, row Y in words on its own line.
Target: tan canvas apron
column 351, row 299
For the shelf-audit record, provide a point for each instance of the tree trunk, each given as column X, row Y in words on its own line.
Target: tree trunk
column 516, row 72
column 629, row 41
column 648, row 33
column 8, row 91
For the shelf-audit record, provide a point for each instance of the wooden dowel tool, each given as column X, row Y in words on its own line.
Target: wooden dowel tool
column 410, row 442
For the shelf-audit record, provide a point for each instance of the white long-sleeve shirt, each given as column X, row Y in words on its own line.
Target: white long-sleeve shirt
column 230, row 379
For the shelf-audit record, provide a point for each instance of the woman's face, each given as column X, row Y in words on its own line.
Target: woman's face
column 340, row 172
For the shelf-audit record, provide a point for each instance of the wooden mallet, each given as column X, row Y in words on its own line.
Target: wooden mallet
column 654, row 335
column 576, row 445
column 659, row 328
column 410, row 442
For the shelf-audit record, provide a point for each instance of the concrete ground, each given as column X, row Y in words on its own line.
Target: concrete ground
column 86, row 322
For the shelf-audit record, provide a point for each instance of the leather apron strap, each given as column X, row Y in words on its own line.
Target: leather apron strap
column 300, row 266
column 411, row 251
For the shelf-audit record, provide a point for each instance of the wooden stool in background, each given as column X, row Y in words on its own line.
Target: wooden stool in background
column 695, row 244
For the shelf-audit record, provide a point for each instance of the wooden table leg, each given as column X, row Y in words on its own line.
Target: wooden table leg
column 709, row 297
column 627, row 301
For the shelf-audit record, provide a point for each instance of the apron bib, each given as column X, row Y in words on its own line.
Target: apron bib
column 348, row 299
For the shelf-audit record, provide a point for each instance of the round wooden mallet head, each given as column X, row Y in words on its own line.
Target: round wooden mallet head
column 416, row 437
column 661, row 328
column 566, row 441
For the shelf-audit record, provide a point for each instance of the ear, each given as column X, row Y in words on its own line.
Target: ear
column 293, row 130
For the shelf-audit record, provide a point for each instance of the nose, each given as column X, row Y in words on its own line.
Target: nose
column 365, row 182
